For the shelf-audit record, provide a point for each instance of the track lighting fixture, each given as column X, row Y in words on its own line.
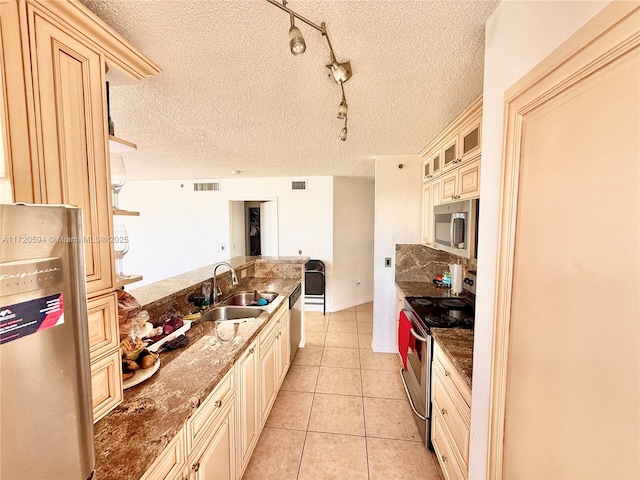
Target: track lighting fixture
column 340, row 71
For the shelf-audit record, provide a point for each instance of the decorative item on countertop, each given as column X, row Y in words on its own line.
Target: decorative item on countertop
column 446, row 279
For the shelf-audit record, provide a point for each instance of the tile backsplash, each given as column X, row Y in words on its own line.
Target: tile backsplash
column 417, row 263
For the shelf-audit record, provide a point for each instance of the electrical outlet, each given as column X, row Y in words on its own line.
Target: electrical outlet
column 387, row 261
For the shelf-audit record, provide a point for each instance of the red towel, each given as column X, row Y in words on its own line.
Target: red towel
column 404, row 337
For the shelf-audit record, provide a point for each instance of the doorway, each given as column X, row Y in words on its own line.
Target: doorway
column 253, row 231
column 253, row 227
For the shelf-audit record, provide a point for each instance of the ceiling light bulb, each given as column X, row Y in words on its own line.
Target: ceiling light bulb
column 343, row 134
column 342, row 110
column 296, row 41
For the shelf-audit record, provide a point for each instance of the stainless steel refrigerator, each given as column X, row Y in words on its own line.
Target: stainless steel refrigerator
column 46, row 425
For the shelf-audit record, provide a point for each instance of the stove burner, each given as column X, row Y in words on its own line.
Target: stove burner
column 423, row 301
column 442, row 320
column 453, row 303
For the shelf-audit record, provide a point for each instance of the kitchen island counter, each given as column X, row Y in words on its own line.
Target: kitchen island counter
column 134, row 434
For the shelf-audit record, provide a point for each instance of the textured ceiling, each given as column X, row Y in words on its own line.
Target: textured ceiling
column 231, row 95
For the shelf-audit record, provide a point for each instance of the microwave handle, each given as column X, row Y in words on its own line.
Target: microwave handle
column 452, row 228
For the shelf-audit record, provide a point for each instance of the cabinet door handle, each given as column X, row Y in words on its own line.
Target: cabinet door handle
column 218, row 403
column 446, row 373
column 251, row 350
column 444, row 458
column 444, row 411
column 195, row 467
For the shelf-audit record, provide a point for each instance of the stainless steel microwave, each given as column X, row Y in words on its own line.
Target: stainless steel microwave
column 455, row 227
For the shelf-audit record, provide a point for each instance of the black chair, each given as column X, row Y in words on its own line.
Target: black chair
column 315, row 284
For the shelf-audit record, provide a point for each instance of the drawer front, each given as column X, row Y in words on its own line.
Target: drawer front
column 209, row 411
column 106, row 384
column 170, row 462
column 103, row 324
column 449, row 187
column 445, row 453
column 456, row 424
column 451, row 376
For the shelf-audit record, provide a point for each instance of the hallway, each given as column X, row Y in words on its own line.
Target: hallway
column 342, row 411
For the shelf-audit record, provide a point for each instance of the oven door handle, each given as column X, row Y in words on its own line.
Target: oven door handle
column 406, row 389
column 413, row 321
column 419, row 337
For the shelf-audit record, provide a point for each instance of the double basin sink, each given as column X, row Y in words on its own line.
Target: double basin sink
column 240, row 306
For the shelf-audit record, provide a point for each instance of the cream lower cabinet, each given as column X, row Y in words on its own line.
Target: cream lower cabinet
column 215, row 458
column 451, row 407
column 248, row 404
column 274, row 360
column 218, row 439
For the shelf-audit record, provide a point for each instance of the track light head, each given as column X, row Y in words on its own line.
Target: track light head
column 296, row 40
column 341, row 71
column 343, row 134
column 342, row 109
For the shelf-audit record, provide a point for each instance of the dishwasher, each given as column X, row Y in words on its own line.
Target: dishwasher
column 295, row 332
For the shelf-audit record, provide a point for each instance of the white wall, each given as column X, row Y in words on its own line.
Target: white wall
column 180, row 230
column 398, row 210
column 353, row 208
column 518, row 36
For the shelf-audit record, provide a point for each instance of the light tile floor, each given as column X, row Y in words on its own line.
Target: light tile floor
column 342, row 412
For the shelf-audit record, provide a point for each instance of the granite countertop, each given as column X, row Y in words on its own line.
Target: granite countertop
column 151, row 293
column 457, row 345
column 129, row 438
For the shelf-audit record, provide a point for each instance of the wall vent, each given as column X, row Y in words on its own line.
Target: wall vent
column 299, row 185
column 208, row 186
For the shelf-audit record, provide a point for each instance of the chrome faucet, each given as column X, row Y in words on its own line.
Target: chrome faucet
column 234, row 280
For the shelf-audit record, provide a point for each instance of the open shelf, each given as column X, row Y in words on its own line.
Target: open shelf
column 129, row 213
column 118, row 145
column 127, row 279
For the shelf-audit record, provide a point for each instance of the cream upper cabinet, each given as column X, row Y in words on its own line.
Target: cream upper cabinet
column 469, row 139
column 452, row 161
column 68, row 88
column 431, row 167
column 462, row 183
column 56, row 136
column 426, row 211
column 450, row 153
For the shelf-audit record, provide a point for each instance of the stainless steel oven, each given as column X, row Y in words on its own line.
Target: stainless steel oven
column 425, row 313
column 417, row 377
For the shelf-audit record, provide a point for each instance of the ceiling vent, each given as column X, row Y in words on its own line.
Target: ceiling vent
column 299, row 185
column 208, row 186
